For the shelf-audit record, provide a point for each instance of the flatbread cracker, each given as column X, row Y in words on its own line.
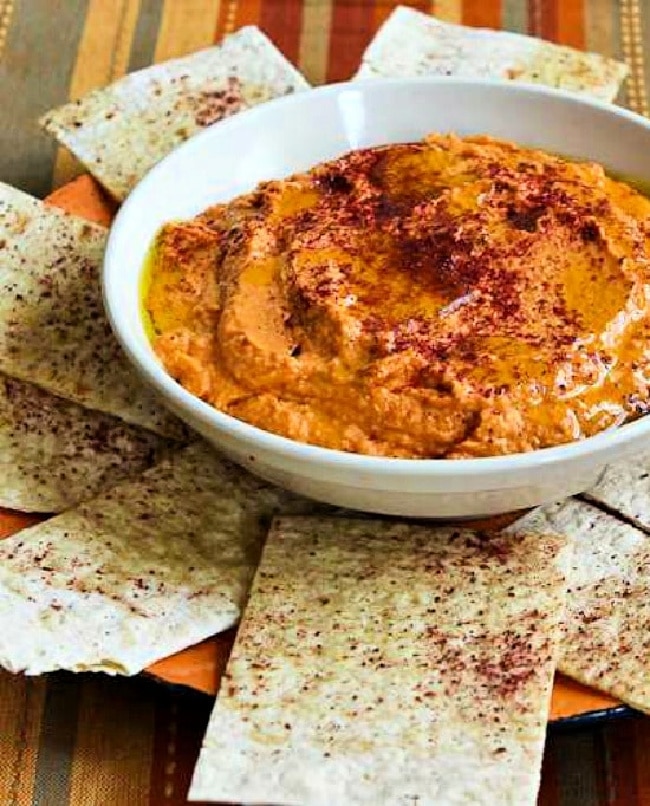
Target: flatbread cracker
column 625, row 488
column 123, row 130
column 140, row 572
column 53, row 329
column 54, row 454
column 388, row 663
column 607, row 642
column 411, row 43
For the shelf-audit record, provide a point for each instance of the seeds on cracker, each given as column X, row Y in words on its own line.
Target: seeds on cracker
column 54, row 453
column 53, row 329
column 388, row 663
column 607, row 640
column 143, row 570
column 411, row 43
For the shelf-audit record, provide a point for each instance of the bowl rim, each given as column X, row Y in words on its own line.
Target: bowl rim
column 146, row 363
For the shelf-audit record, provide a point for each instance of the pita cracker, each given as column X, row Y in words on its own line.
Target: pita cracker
column 121, row 131
column 388, row 663
column 144, row 570
column 625, row 488
column 607, row 642
column 53, row 329
column 411, row 43
column 54, row 454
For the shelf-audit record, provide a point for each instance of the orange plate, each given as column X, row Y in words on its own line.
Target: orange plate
column 200, row 667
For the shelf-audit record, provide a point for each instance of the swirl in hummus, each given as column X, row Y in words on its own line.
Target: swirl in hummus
column 458, row 297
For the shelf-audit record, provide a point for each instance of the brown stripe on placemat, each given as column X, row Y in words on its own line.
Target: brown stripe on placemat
column 351, row 31
column 600, row 764
column 548, row 792
column 186, row 27
column 145, row 35
column 113, row 752
column 548, row 20
column 281, row 20
column 641, row 740
column 21, row 708
column 34, row 76
column 181, row 722
column 576, row 759
column 57, row 741
column 315, row 40
column 599, row 27
column 621, row 764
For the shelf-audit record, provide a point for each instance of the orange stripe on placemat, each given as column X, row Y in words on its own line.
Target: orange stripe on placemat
column 353, row 25
column 281, row 20
column 248, row 13
column 11, row 522
column 578, row 782
column 225, row 19
column 570, row 20
column 482, row 13
column 113, row 750
column 21, row 709
column 621, row 772
column 85, row 198
column 202, row 665
column 642, row 755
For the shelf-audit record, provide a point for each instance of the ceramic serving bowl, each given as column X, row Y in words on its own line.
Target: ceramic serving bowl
column 294, row 133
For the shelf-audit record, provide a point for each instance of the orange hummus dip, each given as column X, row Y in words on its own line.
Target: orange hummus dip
column 458, row 297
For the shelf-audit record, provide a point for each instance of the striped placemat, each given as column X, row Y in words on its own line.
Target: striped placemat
column 89, row 740
column 48, row 56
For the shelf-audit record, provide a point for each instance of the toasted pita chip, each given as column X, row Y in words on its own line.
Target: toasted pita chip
column 53, row 329
column 54, row 454
column 411, row 43
column 123, row 130
column 607, row 642
column 388, row 663
column 625, row 488
column 138, row 573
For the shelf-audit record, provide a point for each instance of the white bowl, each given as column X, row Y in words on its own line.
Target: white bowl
column 292, row 134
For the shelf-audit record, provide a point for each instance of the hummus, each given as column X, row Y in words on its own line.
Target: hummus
column 458, row 297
